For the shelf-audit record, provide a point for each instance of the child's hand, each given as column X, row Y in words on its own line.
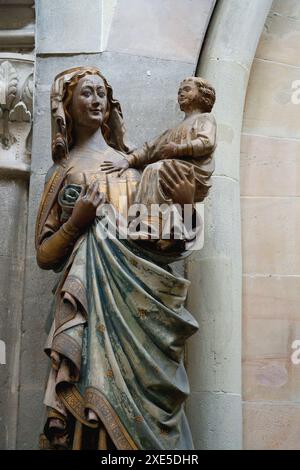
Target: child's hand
column 169, row 150
column 119, row 166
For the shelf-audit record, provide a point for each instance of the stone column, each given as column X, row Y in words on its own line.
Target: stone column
column 214, row 407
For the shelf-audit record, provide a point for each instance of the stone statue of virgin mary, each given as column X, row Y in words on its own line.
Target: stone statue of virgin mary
column 119, row 325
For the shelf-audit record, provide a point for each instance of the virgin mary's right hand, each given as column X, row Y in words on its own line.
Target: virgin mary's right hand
column 85, row 208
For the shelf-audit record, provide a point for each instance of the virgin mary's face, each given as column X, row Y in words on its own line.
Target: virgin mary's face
column 89, row 102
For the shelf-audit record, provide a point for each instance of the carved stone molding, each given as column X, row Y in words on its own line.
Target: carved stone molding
column 14, row 39
column 16, row 106
column 17, row 25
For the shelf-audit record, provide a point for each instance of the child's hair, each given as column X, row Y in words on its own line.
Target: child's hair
column 207, row 93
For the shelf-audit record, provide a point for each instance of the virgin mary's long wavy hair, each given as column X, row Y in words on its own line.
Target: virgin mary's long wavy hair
column 63, row 137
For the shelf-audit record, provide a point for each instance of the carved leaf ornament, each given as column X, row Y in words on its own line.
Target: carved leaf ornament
column 11, row 108
column 9, row 83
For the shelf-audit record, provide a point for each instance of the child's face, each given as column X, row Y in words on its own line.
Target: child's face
column 188, row 95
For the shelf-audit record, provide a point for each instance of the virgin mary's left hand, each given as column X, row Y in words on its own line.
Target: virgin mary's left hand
column 177, row 184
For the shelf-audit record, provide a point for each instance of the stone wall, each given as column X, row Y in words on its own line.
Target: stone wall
column 162, row 46
column 270, row 190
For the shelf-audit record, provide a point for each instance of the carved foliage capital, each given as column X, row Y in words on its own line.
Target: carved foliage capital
column 16, row 101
